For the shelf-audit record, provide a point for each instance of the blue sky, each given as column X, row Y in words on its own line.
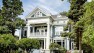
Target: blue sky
column 53, row 6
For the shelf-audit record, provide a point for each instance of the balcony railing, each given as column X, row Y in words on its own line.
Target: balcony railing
column 38, row 34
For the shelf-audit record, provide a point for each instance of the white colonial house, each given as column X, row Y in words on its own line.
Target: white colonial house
column 47, row 28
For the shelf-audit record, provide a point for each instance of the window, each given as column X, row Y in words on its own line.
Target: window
column 31, row 29
column 58, row 30
column 26, row 20
column 43, row 14
column 32, row 16
column 72, row 45
column 59, row 43
column 63, row 43
column 25, row 33
column 45, row 30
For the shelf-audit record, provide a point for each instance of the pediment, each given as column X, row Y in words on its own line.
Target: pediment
column 38, row 12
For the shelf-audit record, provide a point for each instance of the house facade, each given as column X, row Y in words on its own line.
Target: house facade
column 42, row 25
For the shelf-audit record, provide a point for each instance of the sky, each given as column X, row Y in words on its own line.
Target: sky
column 53, row 6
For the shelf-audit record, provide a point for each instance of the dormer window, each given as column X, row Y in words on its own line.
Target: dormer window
column 43, row 14
column 32, row 16
column 38, row 14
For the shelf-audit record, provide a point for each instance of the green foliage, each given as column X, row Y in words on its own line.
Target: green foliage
column 3, row 28
column 89, row 35
column 86, row 22
column 76, row 9
column 7, row 42
column 57, row 48
column 9, row 16
column 87, row 48
column 65, row 34
column 69, row 26
column 28, row 44
column 65, row 28
column 68, row 34
column 35, row 43
column 24, row 43
column 64, row 13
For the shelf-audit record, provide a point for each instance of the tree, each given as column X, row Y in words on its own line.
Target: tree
column 64, row 13
column 3, row 28
column 54, row 47
column 87, row 48
column 10, row 11
column 75, row 13
column 88, row 24
column 7, row 43
column 28, row 44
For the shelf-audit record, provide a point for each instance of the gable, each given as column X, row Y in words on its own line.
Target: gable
column 38, row 12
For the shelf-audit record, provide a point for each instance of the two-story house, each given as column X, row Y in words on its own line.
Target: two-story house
column 47, row 28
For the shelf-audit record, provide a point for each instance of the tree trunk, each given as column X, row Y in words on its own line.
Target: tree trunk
column 77, row 41
column 80, row 43
column 13, row 32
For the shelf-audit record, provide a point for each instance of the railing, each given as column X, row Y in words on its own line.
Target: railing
column 38, row 34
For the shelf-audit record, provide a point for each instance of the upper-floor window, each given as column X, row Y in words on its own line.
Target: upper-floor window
column 38, row 14
column 32, row 16
column 43, row 14
column 58, row 30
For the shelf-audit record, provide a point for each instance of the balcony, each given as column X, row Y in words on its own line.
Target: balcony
column 38, row 34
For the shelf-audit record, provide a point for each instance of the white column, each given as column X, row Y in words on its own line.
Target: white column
column 28, row 30
column 33, row 30
column 65, row 40
column 51, row 34
column 51, row 31
column 67, row 43
column 48, row 38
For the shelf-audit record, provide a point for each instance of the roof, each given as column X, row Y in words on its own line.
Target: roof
column 41, row 9
column 58, row 17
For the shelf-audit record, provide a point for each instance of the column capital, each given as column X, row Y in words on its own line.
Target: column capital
column 28, row 24
column 48, row 23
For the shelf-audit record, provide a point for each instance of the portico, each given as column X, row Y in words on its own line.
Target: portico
column 40, row 30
